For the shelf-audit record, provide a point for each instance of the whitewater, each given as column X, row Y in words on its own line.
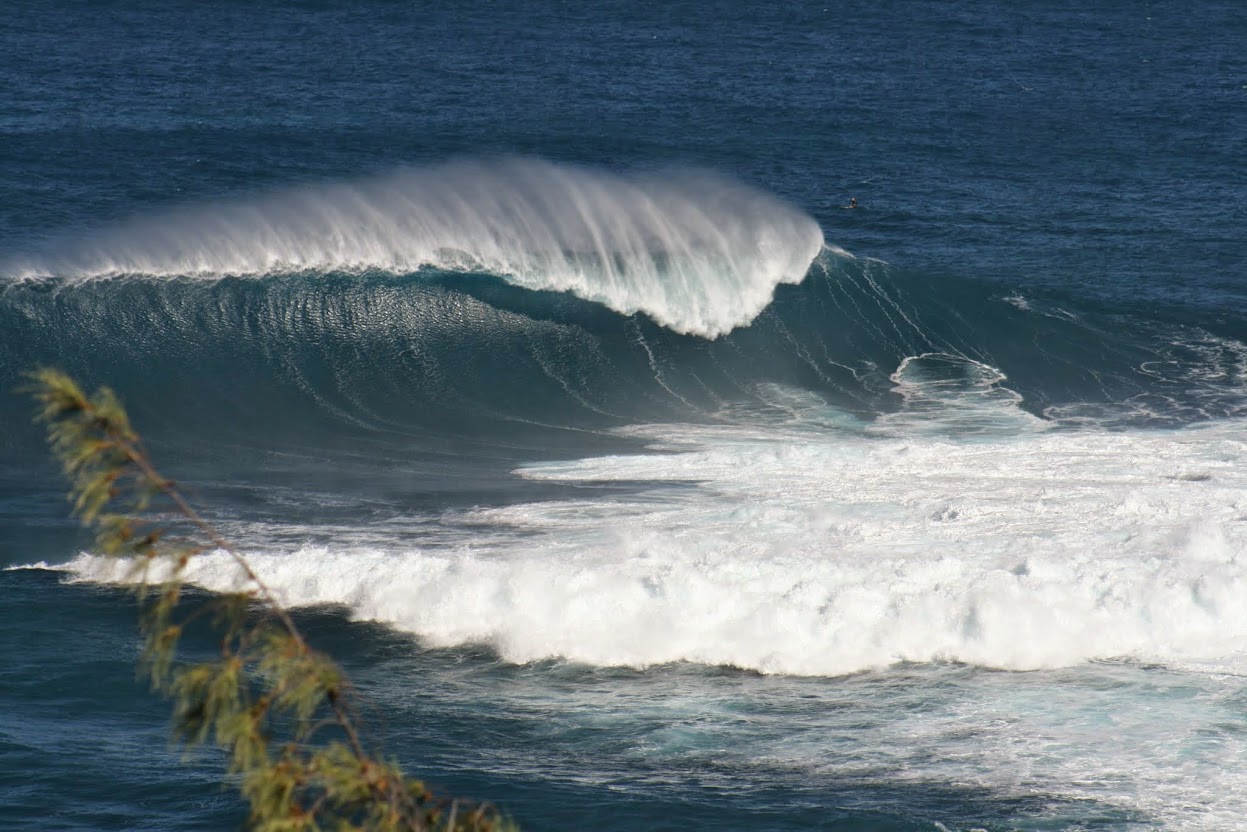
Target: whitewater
column 822, row 552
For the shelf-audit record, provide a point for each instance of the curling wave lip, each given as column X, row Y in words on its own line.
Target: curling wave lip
column 699, row 253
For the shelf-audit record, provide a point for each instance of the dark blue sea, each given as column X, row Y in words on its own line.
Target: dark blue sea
column 530, row 351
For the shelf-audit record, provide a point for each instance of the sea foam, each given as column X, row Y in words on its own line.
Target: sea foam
column 823, row 552
column 697, row 252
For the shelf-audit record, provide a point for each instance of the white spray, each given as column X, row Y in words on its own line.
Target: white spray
column 699, row 253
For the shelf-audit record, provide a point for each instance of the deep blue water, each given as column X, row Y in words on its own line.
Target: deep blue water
column 530, row 351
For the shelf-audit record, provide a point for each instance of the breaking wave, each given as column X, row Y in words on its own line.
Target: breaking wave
column 697, row 252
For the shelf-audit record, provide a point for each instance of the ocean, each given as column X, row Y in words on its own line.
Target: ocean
column 531, row 353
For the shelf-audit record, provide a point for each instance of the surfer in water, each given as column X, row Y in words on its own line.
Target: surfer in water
column 852, row 203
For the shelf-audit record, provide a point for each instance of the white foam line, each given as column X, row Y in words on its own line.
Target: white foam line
column 795, row 551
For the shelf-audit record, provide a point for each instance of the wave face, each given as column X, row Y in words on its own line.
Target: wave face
column 696, row 252
column 473, row 358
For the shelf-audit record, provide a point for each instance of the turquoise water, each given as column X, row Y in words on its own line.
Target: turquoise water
column 530, row 353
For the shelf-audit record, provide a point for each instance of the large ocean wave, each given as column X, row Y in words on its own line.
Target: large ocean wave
column 817, row 552
column 478, row 295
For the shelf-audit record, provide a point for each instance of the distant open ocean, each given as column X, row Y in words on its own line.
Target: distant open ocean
column 530, row 351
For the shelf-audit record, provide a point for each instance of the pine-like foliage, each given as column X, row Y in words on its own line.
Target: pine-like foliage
column 281, row 709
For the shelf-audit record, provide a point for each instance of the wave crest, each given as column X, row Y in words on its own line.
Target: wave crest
column 699, row 253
